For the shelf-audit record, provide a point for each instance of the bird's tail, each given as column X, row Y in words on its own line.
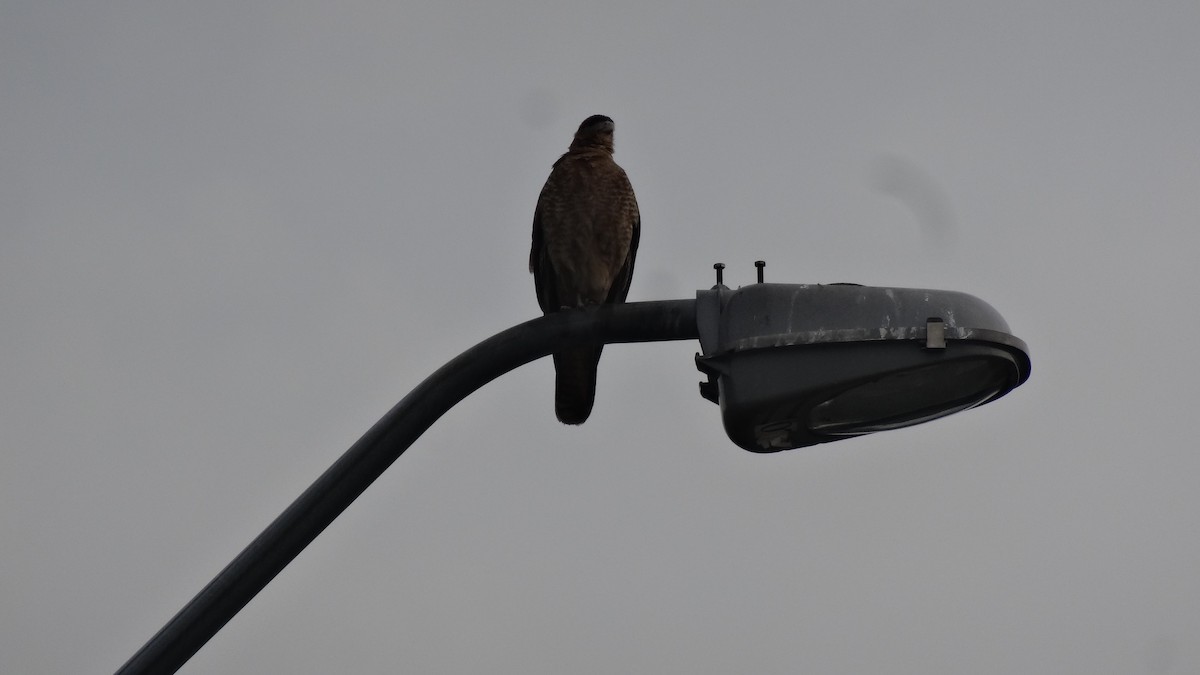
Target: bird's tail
column 575, row 383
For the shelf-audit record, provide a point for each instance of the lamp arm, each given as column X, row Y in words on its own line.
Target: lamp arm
column 368, row 458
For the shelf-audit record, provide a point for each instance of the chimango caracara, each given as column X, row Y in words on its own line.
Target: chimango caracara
column 585, row 238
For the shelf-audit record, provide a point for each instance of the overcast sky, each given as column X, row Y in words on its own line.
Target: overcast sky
column 234, row 234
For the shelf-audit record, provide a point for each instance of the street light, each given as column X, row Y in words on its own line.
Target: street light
column 853, row 365
column 796, row 365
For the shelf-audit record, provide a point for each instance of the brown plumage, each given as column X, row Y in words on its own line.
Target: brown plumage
column 585, row 237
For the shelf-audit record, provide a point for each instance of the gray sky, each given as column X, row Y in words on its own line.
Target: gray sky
column 233, row 234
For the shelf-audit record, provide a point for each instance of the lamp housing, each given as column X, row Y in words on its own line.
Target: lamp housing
column 793, row 365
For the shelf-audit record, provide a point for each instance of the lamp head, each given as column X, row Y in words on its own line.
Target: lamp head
column 796, row 365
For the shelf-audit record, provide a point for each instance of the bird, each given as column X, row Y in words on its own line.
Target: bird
column 586, row 228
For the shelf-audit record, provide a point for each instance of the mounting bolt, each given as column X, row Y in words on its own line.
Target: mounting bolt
column 720, row 268
column 760, row 264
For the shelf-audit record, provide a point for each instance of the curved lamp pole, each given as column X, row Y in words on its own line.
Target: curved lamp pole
column 790, row 365
column 367, row 459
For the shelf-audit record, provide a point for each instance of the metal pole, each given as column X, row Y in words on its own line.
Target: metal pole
column 367, row 459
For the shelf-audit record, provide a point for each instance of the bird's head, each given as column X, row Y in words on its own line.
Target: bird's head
column 596, row 131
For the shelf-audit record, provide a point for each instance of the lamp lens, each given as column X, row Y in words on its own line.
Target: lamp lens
column 912, row 396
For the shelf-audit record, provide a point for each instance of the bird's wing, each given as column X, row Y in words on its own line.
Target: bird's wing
column 620, row 287
column 543, row 272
